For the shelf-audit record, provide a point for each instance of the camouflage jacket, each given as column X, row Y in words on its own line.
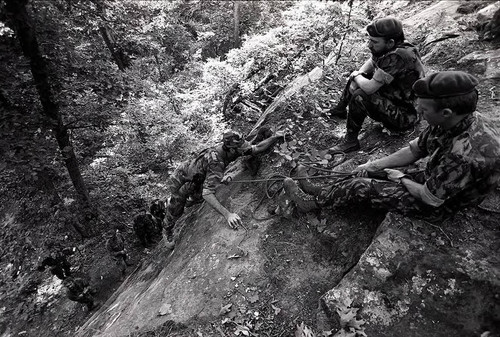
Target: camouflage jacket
column 209, row 166
column 464, row 162
column 398, row 70
column 76, row 288
column 116, row 243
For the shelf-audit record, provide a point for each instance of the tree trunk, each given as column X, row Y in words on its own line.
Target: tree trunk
column 27, row 38
column 117, row 52
column 119, row 56
column 236, row 31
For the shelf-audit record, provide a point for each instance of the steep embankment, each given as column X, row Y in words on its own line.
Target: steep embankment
column 402, row 278
column 261, row 277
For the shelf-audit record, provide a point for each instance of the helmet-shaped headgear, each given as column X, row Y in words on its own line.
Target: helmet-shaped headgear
column 232, row 139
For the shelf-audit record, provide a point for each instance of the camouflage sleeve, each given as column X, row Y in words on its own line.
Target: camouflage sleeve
column 450, row 177
column 246, row 149
column 392, row 64
column 178, row 177
column 419, row 145
column 215, row 172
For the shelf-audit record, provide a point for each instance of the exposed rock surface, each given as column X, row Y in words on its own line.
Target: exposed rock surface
column 417, row 279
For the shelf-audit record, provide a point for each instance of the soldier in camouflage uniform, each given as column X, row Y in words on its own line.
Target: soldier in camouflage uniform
column 57, row 260
column 116, row 246
column 463, row 166
column 382, row 87
column 148, row 225
column 197, row 179
column 79, row 290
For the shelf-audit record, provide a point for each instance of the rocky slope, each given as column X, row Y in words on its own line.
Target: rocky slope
column 371, row 275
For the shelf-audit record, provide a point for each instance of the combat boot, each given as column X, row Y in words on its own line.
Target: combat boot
column 348, row 143
column 340, row 111
column 304, row 202
column 305, row 184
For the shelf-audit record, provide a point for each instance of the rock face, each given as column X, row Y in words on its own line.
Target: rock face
column 484, row 63
column 272, row 271
column 189, row 282
column 418, row 279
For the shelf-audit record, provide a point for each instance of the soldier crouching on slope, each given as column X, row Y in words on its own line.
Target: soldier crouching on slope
column 463, row 166
column 197, row 179
column 382, row 87
column 79, row 290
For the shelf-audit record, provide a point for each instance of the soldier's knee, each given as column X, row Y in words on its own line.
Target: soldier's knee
column 360, row 183
column 358, row 96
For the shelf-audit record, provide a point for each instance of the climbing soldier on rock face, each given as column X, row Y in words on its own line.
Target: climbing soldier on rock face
column 463, row 166
column 382, row 87
column 197, row 179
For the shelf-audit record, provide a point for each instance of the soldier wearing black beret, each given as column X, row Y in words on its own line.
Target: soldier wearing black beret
column 463, row 150
column 382, row 87
column 197, row 179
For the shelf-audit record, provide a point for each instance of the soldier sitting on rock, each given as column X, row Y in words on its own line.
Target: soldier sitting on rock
column 57, row 260
column 197, row 179
column 148, row 226
column 463, row 166
column 382, row 87
column 116, row 246
column 79, row 290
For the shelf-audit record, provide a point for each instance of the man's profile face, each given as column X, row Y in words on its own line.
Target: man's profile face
column 379, row 46
column 244, row 147
column 427, row 108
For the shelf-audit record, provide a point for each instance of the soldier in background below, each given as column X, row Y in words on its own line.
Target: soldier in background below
column 57, row 260
column 148, row 226
column 116, row 246
column 79, row 290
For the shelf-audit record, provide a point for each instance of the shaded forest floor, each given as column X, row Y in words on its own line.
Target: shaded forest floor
column 34, row 304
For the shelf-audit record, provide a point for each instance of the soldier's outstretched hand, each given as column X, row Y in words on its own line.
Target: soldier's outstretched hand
column 394, row 175
column 369, row 167
column 282, row 134
column 234, row 220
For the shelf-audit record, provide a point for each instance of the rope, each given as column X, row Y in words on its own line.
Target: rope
column 278, row 178
column 268, row 195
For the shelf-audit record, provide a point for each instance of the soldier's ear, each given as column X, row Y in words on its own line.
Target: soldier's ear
column 447, row 112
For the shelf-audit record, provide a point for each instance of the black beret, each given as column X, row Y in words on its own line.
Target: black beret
column 445, row 84
column 387, row 27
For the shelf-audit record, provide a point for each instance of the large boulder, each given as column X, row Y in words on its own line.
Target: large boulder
column 419, row 279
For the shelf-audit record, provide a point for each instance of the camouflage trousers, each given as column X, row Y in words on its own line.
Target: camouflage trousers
column 182, row 186
column 379, row 194
column 397, row 116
